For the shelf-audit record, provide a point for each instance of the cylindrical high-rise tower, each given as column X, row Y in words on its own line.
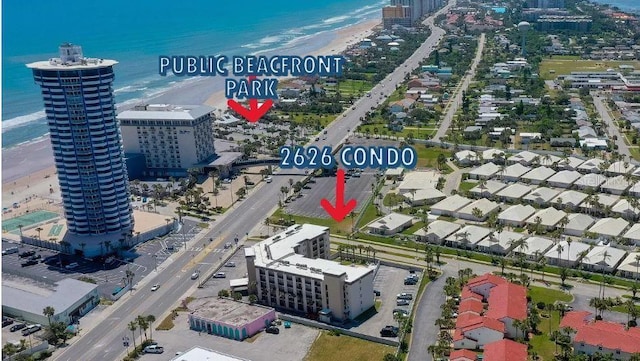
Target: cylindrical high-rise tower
column 86, row 141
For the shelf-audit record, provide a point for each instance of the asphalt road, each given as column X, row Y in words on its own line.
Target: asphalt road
column 612, row 128
column 103, row 342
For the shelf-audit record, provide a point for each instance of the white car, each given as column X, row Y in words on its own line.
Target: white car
column 153, row 349
column 195, row 275
column 268, row 179
column 155, row 287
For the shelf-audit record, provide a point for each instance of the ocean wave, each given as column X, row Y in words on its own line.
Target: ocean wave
column 335, row 19
column 271, row 39
column 31, row 141
column 129, row 89
column 22, row 120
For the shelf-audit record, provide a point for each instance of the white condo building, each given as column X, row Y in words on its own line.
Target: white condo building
column 86, row 141
column 291, row 271
column 171, row 138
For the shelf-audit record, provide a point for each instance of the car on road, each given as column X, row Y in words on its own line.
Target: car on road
column 272, row 329
column 220, row 275
column 29, row 262
column 17, row 326
column 268, row 179
column 26, row 254
column 402, row 302
column 230, row 264
column 404, row 296
column 153, row 349
column 6, row 321
column 228, row 245
column 195, row 275
column 72, row 265
column 389, row 331
column 155, row 287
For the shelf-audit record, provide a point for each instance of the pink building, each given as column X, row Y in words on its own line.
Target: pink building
column 228, row 318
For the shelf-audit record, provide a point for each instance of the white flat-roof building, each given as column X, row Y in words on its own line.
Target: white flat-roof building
column 616, row 185
column 468, row 236
column 492, row 154
column 525, row 158
column 578, row 224
column 499, row 243
column 570, row 163
column 513, row 172
column 484, row 171
column 484, row 208
column 620, row 167
column 630, row 266
column 172, row 138
column 390, row 224
column 70, row 298
column 603, row 258
column 590, row 180
column 609, row 227
column 569, row 254
column 394, row 173
column 514, row 192
column 564, row 178
column 418, row 180
column 624, row 209
column 569, row 199
column 421, row 197
column 591, row 166
column 466, row 157
column 549, row 160
column 291, row 270
column 541, row 196
column 516, row 215
column 198, row 353
column 488, row 189
column 604, row 200
column 437, row 231
column 537, row 175
column 450, row 205
column 536, row 248
column 548, row 218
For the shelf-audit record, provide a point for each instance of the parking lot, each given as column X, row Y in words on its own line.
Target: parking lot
column 51, row 266
column 214, row 285
column 389, row 282
column 16, row 336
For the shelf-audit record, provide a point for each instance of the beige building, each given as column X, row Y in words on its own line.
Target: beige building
column 291, row 271
column 171, row 138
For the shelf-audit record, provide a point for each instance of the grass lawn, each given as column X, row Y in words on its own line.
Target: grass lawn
column 566, row 66
column 413, row 228
column 465, row 186
column 330, row 348
column 428, row 157
column 392, row 199
column 343, row 227
column 368, row 216
column 635, row 153
column 541, row 343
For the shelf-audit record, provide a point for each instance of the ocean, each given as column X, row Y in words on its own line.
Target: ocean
column 135, row 33
column 627, row 5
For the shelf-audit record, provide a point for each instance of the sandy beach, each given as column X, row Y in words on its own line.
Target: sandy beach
column 28, row 171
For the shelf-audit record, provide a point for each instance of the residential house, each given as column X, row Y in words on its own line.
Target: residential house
column 590, row 180
column 505, row 350
column 508, row 303
column 603, row 258
column 526, row 138
column 524, row 158
column 423, row 197
column 570, row 163
column 467, row 236
column 513, row 172
column 620, row 167
column 466, row 157
column 514, row 192
column 568, row 199
column 483, row 284
column 609, row 227
column 493, row 155
column 541, row 196
column 390, row 224
column 474, row 332
column 548, row 218
column 537, row 175
column 566, row 255
column 633, row 234
column 535, row 248
column 590, row 166
column 437, row 231
column 630, row 266
column 616, row 185
column 450, row 205
column 487, row 189
column 463, row 355
column 564, row 178
column 485, row 171
column 478, row 210
column 499, row 243
column 624, row 209
column 516, row 215
column 578, row 224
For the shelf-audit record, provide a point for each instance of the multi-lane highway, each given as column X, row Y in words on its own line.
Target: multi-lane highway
column 103, row 342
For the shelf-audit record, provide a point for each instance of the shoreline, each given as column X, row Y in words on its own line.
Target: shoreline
column 25, row 163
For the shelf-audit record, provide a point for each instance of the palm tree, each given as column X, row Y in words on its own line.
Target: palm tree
column 605, row 257
column 49, row 312
column 144, row 325
column 133, row 326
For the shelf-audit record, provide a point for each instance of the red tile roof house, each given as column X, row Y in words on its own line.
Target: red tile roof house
column 463, row 355
column 471, row 305
column 467, row 293
column 507, row 303
column 474, row 332
column 482, row 284
column 505, row 350
column 601, row 336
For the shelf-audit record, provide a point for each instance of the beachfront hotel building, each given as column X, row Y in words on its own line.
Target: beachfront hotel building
column 291, row 271
column 170, row 138
column 86, row 141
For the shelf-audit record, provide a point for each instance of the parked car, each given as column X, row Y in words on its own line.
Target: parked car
column 17, row 326
column 29, row 262
column 401, row 302
column 73, row 265
column 389, row 331
column 31, row 329
column 410, row 282
column 6, row 321
column 35, row 257
column 376, row 292
column 220, row 275
column 195, row 275
column 404, row 296
column 401, row 311
column 10, row 250
column 153, row 349
column 230, row 264
column 155, row 287
column 272, row 329
column 26, row 254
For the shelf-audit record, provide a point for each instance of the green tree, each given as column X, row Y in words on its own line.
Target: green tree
column 151, row 319
column 49, row 312
column 133, row 326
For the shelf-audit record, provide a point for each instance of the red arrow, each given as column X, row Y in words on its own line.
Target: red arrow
column 340, row 210
column 255, row 112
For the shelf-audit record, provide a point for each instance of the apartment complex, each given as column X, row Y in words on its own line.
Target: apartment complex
column 291, row 271
column 86, row 141
column 171, row 138
column 406, row 12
